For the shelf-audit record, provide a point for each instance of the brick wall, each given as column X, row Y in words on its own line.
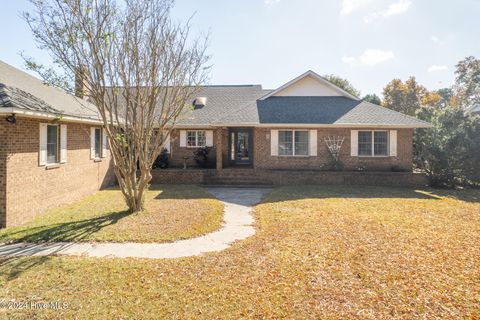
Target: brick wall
column 236, row 176
column 388, row 179
column 263, row 159
column 3, row 172
column 30, row 188
column 180, row 176
column 177, row 153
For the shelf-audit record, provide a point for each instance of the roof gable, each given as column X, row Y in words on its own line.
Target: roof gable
column 309, row 84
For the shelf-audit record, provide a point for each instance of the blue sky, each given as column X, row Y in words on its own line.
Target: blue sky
column 269, row 42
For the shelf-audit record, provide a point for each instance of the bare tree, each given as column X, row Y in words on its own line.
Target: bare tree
column 139, row 68
column 334, row 144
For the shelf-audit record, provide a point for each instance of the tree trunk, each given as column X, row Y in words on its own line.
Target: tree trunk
column 140, row 73
column 134, row 189
column 134, row 198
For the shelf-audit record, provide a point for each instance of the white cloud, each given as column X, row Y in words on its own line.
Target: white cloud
column 436, row 67
column 396, row 8
column 437, row 40
column 370, row 57
column 349, row 6
column 271, row 2
column 349, row 60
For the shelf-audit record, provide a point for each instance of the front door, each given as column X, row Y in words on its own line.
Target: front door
column 241, row 146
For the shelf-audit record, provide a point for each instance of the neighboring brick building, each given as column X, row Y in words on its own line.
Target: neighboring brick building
column 46, row 160
column 53, row 150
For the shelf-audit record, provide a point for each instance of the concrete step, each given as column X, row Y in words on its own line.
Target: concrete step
column 236, row 175
column 240, row 185
column 237, row 180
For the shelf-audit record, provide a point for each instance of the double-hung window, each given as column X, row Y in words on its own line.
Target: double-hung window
column 98, row 143
column 373, row 143
column 293, row 142
column 53, row 138
column 52, row 144
column 196, row 138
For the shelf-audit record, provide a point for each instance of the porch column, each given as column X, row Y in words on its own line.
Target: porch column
column 218, row 149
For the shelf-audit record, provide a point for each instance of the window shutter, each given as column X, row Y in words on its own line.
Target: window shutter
column 209, row 138
column 166, row 144
column 183, row 138
column 63, row 143
column 354, row 143
column 313, row 142
column 92, row 142
column 393, row 143
column 42, row 156
column 274, row 142
column 104, row 144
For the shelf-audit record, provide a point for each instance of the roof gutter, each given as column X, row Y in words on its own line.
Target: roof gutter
column 46, row 115
column 195, row 126
column 313, row 125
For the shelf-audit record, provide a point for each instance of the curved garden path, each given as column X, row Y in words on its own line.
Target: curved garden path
column 238, row 225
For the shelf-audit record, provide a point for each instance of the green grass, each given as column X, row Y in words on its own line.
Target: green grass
column 319, row 253
column 172, row 213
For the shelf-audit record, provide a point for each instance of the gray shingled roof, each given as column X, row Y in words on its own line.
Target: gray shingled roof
column 317, row 110
column 369, row 113
column 226, row 105
column 21, row 90
column 221, row 101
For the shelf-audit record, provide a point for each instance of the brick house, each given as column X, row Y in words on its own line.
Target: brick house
column 287, row 128
column 53, row 150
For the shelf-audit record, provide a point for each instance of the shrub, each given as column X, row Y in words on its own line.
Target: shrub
column 335, row 165
column 163, row 160
column 200, row 156
column 397, row 168
column 449, row 153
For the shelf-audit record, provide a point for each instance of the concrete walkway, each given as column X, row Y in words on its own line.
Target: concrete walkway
column 238, row 225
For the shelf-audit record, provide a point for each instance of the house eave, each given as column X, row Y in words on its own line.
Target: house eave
column 314, row 125
column 194, row 126
column 46, row 115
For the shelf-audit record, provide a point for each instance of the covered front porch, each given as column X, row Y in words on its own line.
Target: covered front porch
column 234, row 148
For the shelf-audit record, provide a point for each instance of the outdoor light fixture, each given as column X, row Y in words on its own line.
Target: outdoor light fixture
column 11, row 118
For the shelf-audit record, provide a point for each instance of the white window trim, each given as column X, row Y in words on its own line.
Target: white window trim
column 372, row 155
column 293, row 144
column 59, row 140
column 196, row 138
column 92, row 148
column 63, row 143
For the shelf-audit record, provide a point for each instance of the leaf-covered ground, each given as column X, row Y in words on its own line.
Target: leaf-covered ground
column 319, row 253
column 172, row 213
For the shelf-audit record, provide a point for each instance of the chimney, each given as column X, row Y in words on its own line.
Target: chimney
column 81, row 83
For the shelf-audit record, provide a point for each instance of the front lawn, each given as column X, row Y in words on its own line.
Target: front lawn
column 319, row 253
column 172, row 213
